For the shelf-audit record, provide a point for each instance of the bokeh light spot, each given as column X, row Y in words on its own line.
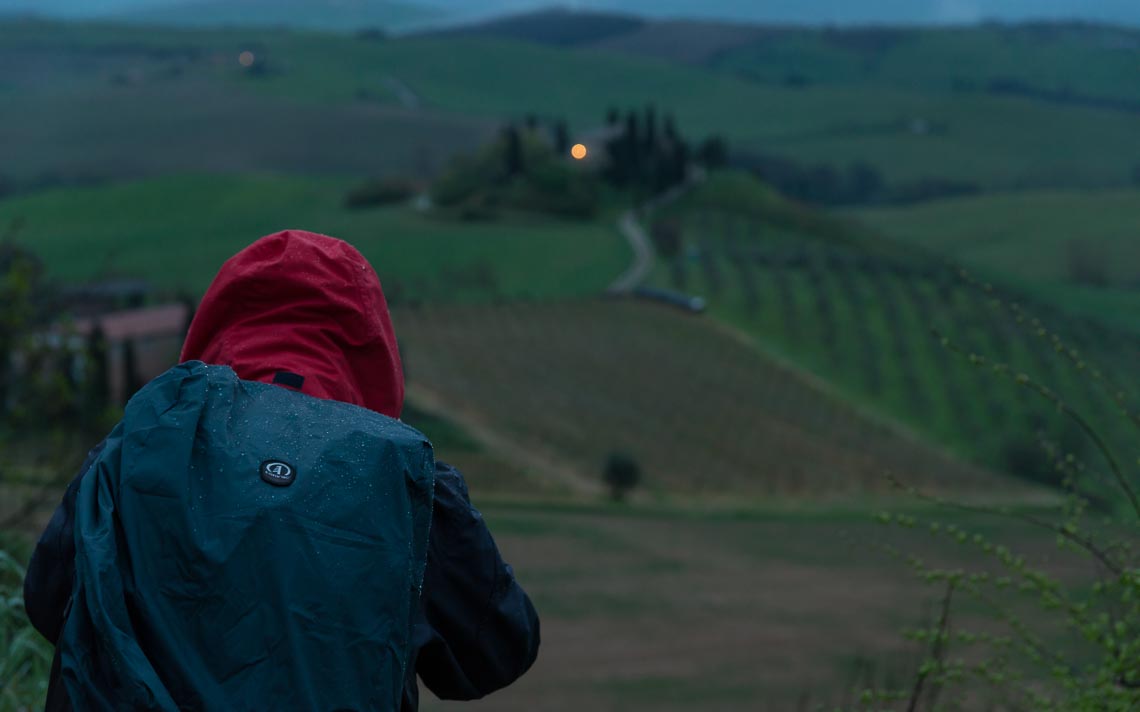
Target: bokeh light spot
column 578, row 151
column 246, row 59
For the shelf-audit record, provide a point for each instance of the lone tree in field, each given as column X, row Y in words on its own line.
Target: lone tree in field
column 622, row 474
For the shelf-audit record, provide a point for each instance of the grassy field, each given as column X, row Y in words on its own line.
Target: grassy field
column 1031, row 237
column 995, row 140
column 650, row 608
column 166, row 102
column 761, row 611
column 158, row 125
column 1088, row 61
column 176, row 232
column 156, row 130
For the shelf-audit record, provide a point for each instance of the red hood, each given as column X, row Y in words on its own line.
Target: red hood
column 306, row 304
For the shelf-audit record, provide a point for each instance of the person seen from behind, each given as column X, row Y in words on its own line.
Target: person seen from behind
column 260, row 531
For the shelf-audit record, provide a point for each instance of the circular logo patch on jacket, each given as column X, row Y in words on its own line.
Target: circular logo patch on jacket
column 278, row 473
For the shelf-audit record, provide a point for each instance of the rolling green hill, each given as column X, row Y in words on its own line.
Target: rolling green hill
column 994, row 140
column 557, row 387
column 908, row 132
column 144, row 229
column 176, row 232
column 532, row 376
column 1061, row 62
column 278, row 143
column 858, row 310
column 1071, row 63
column 811, row 291
column 1079, row 249
column 169, row 101
column 158, row 129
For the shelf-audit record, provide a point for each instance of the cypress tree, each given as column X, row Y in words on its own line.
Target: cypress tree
column 561, row 137
column 513, row 154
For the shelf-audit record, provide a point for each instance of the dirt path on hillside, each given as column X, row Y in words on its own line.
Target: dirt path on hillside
column 643, row 254
column 630, row 227
column 527, row 459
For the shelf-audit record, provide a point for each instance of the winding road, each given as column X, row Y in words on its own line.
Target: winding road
column 634, row 233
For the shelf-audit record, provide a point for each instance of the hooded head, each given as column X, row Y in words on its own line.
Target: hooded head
column 303, row 305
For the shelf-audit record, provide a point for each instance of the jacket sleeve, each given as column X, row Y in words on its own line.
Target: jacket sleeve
column 47, row 585
column 479, row 631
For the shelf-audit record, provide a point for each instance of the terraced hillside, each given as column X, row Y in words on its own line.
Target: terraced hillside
column 560, row 386
column 861, row 311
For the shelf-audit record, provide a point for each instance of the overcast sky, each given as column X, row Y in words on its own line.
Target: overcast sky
column 798, row 11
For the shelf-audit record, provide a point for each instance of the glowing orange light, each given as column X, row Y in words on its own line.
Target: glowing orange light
column 578, row 151
column 245, row 59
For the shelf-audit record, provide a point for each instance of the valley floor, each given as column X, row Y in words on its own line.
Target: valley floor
column 645, row 609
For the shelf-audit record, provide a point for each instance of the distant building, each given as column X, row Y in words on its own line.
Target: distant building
column 155, row 335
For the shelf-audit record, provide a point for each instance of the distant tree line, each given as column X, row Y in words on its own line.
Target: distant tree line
column 1010, row 86
column 528, row 166
column 556, row 26
column 858, row 183
column 372, row 34
column 648, row 154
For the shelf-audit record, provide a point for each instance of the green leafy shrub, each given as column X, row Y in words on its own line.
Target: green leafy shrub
column 519, row 171
column 50, row 416
column 1058, row 643
column 26, row 661
column 376, row 193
